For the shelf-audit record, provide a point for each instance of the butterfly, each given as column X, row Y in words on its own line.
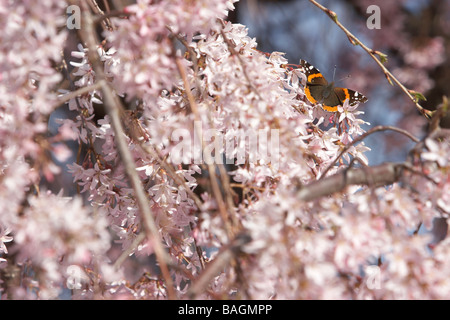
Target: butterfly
column 319, row 90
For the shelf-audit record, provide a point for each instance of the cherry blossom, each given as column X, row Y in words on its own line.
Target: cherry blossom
column 5, row 238
column 188, row 79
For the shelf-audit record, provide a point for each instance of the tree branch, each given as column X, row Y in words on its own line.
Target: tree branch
column 365, row 135
column 211, row 168
column 222, row 260
column 114, row 109
column 384, row 174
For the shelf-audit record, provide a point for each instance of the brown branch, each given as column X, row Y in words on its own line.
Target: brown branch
column 74, row 94
column 211, row 168
column 222, row 260
column 377, row 176
column 114, row 109
column 384, row 174
column 441, row 112
column 96, row 9
column 354, row 40
column 126, row 253
column 221, row 167
column 112, row 14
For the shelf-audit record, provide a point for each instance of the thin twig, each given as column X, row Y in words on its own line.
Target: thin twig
column 171, row 172
column 354, row 40
column 78, row 92
column 363, row 136
column 222, row 170
column 233, row 52
column 112, row 14
column 125, row 254
column 211, row 168
column 96, row 8
column 221, row 261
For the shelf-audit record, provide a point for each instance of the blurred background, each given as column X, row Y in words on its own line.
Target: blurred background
column 414, row 34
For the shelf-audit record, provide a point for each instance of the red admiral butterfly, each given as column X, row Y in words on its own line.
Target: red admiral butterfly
column 318, row 90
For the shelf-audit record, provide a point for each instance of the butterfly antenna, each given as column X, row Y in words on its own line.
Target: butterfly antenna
column 348, row 76
column 334, row 73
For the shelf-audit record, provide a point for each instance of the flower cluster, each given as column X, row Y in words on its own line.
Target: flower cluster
column 26, row 96
column 146, row 67
column 54, row 240
column 361, row 242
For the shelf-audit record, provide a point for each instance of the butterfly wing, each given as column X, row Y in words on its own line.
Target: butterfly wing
column 313, row 75
column 353, row 96
column 315, row 82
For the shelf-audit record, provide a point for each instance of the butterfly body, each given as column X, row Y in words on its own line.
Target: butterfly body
column 319, row 90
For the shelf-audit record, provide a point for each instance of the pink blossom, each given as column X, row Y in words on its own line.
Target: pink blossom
column 359, row 242
column 437, row 152
column 4, row 238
